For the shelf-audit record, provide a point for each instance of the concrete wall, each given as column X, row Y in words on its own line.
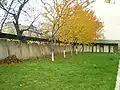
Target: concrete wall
column 3, row 49
column 28, row 50
column 37, row 49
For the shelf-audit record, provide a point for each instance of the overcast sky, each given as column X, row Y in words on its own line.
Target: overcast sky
column 110, row 15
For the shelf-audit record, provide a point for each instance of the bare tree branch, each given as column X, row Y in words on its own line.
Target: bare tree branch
column 31, row 25
column 15, row 9
column 6, row 15
column 21, row 7
column 2, row 7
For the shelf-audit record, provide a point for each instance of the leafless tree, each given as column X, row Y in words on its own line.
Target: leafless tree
column 13, row 10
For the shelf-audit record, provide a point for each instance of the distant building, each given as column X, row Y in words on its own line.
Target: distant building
column 33, row 31
column 9, row 28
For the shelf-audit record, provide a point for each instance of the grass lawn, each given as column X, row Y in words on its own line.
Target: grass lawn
column 88, row 71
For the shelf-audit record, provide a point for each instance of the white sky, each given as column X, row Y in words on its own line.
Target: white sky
column 110, row 15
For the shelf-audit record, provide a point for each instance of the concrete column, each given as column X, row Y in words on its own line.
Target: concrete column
column 111, row 49
column 106, row 48
column 90, row 48
column 80, row 48
column 94, row 48
column 118, row 47
column 102, row 48
column 85, row 48
column 98, row 48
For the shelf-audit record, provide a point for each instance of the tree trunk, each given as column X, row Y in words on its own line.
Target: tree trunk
column 76, row 49
column 19, row 32
column 73, row 47
column 71, row 50
column 52, row 50
column 52, row 55
column 82, row 48
column 64, row 53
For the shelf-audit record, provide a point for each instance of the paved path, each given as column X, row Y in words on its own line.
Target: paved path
column 117, row 87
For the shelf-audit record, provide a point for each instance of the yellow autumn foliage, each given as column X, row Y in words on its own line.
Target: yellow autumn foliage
column 81, row 27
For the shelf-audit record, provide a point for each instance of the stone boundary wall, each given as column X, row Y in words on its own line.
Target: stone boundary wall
column 28, row 51
column 40, row 49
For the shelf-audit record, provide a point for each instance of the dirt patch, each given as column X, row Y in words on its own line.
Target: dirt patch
column 10, row 59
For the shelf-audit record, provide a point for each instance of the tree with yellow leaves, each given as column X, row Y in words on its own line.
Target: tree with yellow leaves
column 58, row 15
column 82, row 27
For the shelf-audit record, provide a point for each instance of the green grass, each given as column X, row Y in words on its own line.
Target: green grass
column 88, row 71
